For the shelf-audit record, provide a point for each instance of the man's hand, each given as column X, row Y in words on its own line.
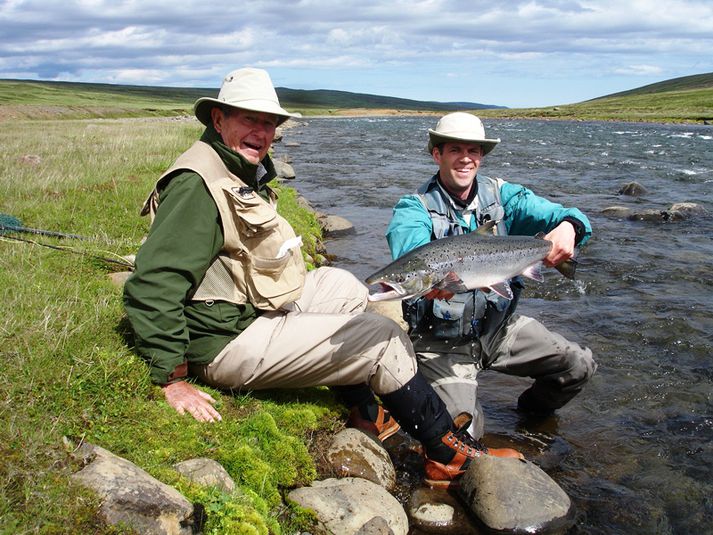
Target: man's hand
column 562, row 237
column 184, row 397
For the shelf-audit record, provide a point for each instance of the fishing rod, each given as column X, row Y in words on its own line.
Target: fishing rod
column 11, row 224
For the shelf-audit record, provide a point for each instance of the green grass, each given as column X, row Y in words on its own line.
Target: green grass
column 67, row 367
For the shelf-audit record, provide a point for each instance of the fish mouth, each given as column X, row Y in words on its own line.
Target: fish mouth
column 386, row 292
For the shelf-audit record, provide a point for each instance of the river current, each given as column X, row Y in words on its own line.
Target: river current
column 635, row 449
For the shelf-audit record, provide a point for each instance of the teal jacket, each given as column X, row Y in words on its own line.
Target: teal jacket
column 526, row 214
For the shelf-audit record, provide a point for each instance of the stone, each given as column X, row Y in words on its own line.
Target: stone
column 633, row 189
column 356, row 454
column 389, row 309
column 345, row 506
column 334, row 225
column 438, row 511
column 654, row 215
column 284, row 170
column 206, row 472
column 376, row 526
column 119, row 278
column 617, row 211
column 687, row 209
column 514, row 495
column 131, row 497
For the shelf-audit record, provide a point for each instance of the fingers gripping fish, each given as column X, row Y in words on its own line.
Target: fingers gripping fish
column 465, row 262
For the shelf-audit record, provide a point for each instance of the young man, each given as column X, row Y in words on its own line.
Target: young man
column 456, row 200
column 220, row 292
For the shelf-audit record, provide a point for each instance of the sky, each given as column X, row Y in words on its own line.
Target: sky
column 515, row 53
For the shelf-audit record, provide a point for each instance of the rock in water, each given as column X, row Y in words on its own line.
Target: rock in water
column 514, row 495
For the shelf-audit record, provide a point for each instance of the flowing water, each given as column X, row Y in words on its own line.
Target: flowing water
column 636, row 447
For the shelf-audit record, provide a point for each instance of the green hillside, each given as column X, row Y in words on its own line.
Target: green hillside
column 688, row 99
column 41, row 99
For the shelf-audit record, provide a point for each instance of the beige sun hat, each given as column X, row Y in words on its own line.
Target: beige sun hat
column 247, row 89
column 460, row 126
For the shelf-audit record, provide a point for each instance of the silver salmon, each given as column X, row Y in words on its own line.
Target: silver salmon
column 465, row 262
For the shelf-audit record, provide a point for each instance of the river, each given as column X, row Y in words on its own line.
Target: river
column 635, row 449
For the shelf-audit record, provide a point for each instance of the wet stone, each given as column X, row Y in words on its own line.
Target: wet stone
column 438, row 511
column 514, row 495
column 632, row 188
column 356, row 454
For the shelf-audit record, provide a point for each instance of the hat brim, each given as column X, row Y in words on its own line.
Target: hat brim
column 437, row 138
column 203, row 105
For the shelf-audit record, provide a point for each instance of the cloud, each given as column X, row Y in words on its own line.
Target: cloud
column 359, row 44
column 640, row 70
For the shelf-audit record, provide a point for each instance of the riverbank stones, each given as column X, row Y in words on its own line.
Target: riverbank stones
column 347, row 505
column 355, row 454
column 514, row 495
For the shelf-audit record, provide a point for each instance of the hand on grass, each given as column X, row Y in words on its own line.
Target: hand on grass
column 184, row 397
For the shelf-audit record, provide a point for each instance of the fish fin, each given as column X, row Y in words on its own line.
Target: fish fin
column 486, row 228
column 540, row 235
column 534, row 272
column 452, row 283
column 567, row 268
column 502, row 289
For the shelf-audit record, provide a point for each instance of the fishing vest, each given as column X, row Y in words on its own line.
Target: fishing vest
column 470, row 315
column 247, row 269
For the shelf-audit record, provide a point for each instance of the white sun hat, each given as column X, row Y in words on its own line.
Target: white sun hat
column 247, row 89
column 460, row 126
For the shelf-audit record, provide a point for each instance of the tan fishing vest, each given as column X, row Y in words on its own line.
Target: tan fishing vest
column 247, row 268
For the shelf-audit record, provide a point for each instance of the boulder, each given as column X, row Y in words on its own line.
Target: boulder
column 633, row 189
column 334, row 225
column 346, row 506
column 687, row 209
column 437, row 511
column 617, row 211
column 284, row 170
column 131, row 497
column 390, row 309
column 355, row 454
column 654, row 215
column 206, row 472
column 514, row 495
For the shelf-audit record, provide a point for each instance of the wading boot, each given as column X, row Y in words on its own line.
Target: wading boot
column 448, row 459
column 374, row 420
column 365, row 413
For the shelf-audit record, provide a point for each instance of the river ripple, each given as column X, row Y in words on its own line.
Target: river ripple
column 639, row 439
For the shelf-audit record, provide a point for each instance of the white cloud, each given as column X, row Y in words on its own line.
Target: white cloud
column 366, row 45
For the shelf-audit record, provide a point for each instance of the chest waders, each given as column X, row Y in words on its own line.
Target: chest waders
column 474, row 315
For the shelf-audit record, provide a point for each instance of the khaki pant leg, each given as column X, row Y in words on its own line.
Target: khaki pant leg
column 312, row 345
column 560, row 368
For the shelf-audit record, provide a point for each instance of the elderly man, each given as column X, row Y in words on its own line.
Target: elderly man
column 220, row 292
column 488, row 333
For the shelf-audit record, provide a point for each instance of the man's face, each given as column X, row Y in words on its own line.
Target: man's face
column 458, row 163
column 249, row 133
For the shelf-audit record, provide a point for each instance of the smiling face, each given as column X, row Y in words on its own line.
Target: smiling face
column 249, row 133
column 458, row 163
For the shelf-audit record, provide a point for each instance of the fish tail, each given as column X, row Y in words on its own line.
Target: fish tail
column 567, row 268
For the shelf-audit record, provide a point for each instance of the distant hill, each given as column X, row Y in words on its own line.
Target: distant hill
column 327, row 98
column 684, row 83
column 76, row 99
column 688, row 99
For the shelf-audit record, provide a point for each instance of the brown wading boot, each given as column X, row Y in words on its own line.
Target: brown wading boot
column 378, row 423
column 449, row 459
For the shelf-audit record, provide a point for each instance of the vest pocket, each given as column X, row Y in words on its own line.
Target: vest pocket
column 251, row 213
column 274, row 282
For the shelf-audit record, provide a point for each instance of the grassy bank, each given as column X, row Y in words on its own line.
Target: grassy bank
column 68, row 373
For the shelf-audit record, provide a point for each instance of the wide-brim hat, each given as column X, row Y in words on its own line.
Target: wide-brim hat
column 247, row 89
column 460, row 126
